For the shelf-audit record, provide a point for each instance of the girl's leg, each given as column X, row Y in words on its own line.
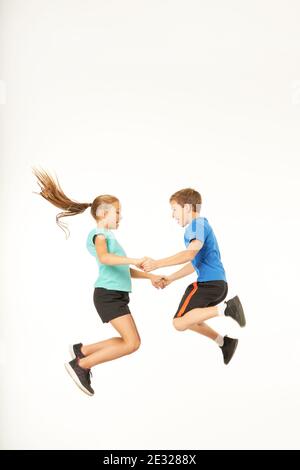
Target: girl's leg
column 129, row 342
column 91, row 348
column 204, row 330
column 195, row 316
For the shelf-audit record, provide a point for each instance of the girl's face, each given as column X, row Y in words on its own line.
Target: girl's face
column 110, row 216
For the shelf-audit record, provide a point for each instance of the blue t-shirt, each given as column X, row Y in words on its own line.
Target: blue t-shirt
column 207, row 262
column 115, row 277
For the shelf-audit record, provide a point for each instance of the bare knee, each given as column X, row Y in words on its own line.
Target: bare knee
column 178, row 325
column 132, row 344
column 136, row 344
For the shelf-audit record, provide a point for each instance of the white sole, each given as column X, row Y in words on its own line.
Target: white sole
column 71, row 350
column 76, row 379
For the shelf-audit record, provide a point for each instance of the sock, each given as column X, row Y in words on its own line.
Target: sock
column 219, row 340
column 221, row 308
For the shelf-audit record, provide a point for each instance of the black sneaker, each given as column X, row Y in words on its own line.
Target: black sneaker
column 75, row 351
column 235, row 310
column 81, row 376
column 228, row 348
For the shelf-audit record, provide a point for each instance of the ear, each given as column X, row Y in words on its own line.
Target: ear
column 101, row 213
column 188, row 208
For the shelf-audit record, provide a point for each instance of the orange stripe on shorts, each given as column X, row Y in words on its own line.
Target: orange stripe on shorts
column 187, row 300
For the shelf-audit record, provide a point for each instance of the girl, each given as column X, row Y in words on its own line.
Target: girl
column 111, row 293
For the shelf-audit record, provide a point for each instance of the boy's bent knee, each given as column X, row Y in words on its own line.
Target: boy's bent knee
column 177, row 323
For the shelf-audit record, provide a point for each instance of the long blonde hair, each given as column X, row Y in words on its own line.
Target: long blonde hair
column 53, row 193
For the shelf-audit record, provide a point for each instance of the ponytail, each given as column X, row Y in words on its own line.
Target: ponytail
column 52, row 192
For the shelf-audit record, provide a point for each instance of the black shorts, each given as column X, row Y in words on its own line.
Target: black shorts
column 202, row 294
column 110, row 304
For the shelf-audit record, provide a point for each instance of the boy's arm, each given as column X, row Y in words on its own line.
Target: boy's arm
column 180, row 258
column 185, row 271
column 112, row 259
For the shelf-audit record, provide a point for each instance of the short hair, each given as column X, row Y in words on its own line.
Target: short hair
column 188, row 196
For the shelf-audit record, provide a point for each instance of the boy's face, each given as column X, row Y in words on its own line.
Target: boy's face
column 183, row 215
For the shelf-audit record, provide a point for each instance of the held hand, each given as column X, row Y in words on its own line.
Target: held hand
column 140, row 261
column 164, row 282
column 156, row 281
column 149, row 265
column 160, row 281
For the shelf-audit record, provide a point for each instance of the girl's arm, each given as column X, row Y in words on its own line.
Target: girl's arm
column 140, row 274
column 112, row 259
column 155, row 279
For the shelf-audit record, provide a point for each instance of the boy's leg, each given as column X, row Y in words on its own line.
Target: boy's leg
column 227, row 345
column 232, row 308
column 205, row 330
column 195, row 316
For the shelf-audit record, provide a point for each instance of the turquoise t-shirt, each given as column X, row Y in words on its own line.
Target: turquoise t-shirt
column 110, row 277
column 207, row 262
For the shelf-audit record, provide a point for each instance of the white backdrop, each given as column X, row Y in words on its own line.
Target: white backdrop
column 140, row 99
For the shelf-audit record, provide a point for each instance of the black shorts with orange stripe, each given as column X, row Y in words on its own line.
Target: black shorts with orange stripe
column 201, row 295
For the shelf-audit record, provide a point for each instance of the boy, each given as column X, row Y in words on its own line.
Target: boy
column 204, row 298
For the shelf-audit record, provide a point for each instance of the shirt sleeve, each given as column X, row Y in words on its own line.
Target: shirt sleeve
column 195, row 231
column 96, row 234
